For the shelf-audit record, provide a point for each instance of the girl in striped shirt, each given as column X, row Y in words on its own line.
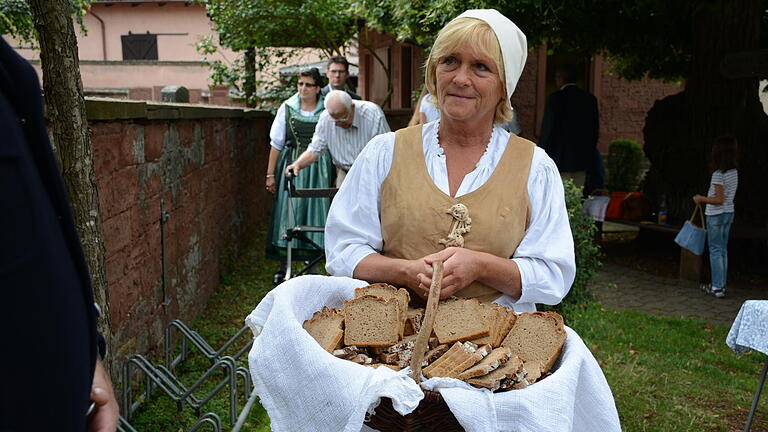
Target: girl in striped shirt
column 719, row 210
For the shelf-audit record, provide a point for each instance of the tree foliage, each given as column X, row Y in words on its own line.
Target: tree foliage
column 274, row 32
column 648, row 37
column 16, row 18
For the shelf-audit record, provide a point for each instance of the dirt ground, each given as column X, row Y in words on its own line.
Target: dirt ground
column 656, row 253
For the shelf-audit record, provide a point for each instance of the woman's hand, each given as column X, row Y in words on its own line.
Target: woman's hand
column 461, row 267
column 698, row 199
column 271, row 188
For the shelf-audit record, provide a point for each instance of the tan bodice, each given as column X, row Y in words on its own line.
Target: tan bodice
column 415, row 212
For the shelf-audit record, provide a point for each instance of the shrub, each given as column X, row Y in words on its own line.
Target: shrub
column 587, row 251
column 624, row 160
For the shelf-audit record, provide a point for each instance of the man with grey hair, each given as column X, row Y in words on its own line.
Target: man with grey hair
column 344, row 128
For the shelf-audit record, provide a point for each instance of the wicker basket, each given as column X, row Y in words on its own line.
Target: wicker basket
column 432, row 414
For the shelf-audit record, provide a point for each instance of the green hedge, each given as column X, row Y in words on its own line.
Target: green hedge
column 624, row 160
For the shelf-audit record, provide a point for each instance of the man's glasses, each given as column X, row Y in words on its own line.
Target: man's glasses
column 306, row 84
column 345, row 119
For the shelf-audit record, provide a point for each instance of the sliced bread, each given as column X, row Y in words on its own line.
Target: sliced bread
column 372, row 321
column 490, row 363
column 413, row 322
column 492, row 316
column 537, row 337
column 506, row 322
column 386, row 292
column 510, row 370
column 326, row 326
column 460, row 319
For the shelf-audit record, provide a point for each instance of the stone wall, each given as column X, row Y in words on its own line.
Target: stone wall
column 205, row 166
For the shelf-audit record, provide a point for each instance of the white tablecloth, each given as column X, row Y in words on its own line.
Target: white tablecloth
column 750, row 328
column 304, row 388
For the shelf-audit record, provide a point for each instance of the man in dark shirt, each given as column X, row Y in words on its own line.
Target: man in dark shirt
column 51, row 374
column 570, row 128
column 337, row 73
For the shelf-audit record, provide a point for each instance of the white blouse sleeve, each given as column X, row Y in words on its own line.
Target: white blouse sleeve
column 545, row 256
column 353, row 228
column 277, row 132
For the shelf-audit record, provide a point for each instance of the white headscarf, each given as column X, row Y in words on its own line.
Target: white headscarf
column 514, row 46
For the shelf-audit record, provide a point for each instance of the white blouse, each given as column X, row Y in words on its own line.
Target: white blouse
column 545, row 255
column 277, row 132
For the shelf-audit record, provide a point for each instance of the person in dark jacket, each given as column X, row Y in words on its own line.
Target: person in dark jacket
column 570, row 128
column 51, row 374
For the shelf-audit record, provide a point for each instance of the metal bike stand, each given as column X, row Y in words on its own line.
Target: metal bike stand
column 163, row 379
column 193, row 337
column 209, row 418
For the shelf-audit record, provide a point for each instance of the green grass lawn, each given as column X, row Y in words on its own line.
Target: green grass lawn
column 666, row 374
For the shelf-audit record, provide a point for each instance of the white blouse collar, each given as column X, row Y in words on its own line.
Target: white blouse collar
column 496, row 145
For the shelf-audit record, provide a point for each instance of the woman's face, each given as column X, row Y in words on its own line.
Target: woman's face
column 308, row 90
column 468, row 85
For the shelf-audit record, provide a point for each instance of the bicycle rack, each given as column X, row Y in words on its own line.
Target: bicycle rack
column 159, row 376
column 190, row 336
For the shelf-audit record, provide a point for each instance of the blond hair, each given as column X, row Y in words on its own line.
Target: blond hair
column 478, row 35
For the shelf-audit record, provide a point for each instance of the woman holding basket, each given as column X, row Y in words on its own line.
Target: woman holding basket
column 460, row 189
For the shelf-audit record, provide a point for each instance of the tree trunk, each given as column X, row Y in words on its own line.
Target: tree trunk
column 680, row 129
column 249, row 86
column 65, row 109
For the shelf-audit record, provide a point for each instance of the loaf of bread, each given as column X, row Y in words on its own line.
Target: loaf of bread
column 372, row 321
column 326, row 326
column 460, row 319
column 537, row 338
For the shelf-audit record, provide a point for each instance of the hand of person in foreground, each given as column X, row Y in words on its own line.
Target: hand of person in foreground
column 106, row 413
column 461, row 267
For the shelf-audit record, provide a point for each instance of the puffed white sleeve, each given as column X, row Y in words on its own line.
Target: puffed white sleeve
column 277, row 132
column 545, row 256
column 353, row 227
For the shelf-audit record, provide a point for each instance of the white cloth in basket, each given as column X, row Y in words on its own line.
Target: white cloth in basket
column 304, row 388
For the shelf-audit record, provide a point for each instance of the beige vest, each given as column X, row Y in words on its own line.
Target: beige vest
column 414, row 211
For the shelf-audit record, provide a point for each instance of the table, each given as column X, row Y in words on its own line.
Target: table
column 750, row 331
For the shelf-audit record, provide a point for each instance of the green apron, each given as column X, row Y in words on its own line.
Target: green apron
column 306, row 211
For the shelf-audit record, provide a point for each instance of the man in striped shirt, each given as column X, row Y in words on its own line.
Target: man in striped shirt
column 344, row 128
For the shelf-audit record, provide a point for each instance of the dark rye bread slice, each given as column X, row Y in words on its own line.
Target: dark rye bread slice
column 537, row 337
column 460, row 319
column 371, row 321
column 512, row 369
column 386, row 292
column 326, row 326
column 490, row 363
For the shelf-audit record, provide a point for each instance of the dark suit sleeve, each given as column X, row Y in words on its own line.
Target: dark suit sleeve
column 547, row 124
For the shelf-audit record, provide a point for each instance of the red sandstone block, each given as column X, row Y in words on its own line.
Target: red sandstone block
column 117, row 231
column 154, row 135
column 118, row 191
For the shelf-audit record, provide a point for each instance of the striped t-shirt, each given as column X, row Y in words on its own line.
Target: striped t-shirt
column 346, row 144
column 730, row 181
